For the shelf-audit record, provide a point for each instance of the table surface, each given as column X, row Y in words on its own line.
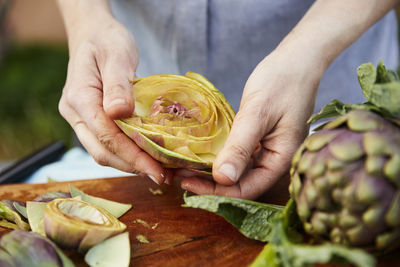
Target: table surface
column 183, row 237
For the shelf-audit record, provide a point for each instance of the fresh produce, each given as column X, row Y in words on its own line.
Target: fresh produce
column 115, row 251
column 22, row 248
column 181, row 121
column 72, row 220
column 346, row 181
column 73, row 223
column 10, row 217
column 47, row 197
column 345, row 186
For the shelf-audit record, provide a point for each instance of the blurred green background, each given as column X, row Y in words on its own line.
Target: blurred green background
column 33, row 67
column 31, row 81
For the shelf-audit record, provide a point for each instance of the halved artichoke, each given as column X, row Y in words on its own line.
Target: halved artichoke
column 181, row 121
column 72, row 223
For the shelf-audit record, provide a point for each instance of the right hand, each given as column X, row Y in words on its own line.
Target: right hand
column 103, row 59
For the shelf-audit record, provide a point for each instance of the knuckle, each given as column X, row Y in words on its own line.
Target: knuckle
column 240, row 152
column 62, row 109
column 101, row 159
column 108, row 141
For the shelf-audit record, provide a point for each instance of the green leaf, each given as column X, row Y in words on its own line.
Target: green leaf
column 266, row 258
column 336, row 108
column 114, row 251
column 252, row 219
column 285, row 251
column 21, row 209
column 381, row 87
column 35, row 212
column 115, row 208
column 10, row 214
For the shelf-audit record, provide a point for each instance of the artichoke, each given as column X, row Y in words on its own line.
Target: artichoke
column 72, row 223
column 49, row 196
column 181, row 121
column 345, row 178
column 11, row 217
column 21, row 248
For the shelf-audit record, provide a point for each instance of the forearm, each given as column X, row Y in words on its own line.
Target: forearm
column 329, row 27
column 78, row 13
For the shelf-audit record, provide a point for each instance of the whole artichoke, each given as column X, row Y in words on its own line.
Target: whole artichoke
column 346, row 181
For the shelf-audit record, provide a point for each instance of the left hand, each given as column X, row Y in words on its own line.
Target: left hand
column 271, row 124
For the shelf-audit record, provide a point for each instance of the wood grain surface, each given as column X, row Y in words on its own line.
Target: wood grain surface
column 183, row 236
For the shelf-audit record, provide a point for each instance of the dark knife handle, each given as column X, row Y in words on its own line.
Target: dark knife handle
column 20, row 170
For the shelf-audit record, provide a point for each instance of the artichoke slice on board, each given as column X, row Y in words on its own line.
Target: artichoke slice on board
column 73, row 223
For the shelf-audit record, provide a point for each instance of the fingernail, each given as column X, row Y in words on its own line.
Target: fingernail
column 153, row 178
column 229, row 171
column 118, row 101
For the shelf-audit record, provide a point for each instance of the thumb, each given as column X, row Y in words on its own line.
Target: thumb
column 246, row 132
column 118, row 99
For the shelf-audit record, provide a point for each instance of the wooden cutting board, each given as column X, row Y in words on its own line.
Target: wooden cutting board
column 183, row 236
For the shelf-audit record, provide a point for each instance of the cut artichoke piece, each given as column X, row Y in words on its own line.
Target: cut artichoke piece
column 115, row 208
column 35, row 211
column 10, row 217
column 181, row 121
column 28, row 249
column 115, row 251
column 73, row 223
column 47, row 197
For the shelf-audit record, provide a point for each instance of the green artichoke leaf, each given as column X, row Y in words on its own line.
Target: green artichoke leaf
column 337, row 108
column 284, row 252
column 35, row 212
column 267, row 257
column 10, row 215
column 114, row 251
column 49, row 196
column 252, row 219
column 115, row 208
column 381, row 87
column 31, row 249
column 21, row 208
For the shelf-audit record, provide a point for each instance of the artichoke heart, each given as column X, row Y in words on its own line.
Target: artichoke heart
column 72, row 223
column 181, row 121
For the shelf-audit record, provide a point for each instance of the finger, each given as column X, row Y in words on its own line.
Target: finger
column 118, row 70
column 101, row 155
column 118, row 143
column 90, row 109
column 247, row 130
column 250, row 186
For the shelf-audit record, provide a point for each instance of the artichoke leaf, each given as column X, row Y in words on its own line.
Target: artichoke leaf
column 115, row 251
column 252, row 219
column 284, row 250
column 21, row 208
column 381, row 87
column 49, row 196
column 35, row 211
column 10, row 214
column 115, row 208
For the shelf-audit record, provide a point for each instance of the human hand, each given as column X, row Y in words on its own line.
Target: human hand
column 271, row 123
column 103, row 59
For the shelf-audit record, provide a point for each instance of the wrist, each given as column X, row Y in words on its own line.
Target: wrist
column 83, row 16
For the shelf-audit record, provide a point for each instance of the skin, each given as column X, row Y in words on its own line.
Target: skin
column 277, row 100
